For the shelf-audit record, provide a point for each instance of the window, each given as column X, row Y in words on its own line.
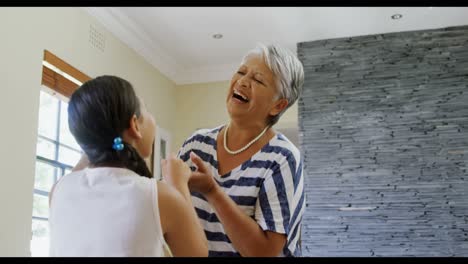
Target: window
column 57, row 151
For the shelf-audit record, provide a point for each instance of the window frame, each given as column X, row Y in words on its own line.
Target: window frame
column 60, row 167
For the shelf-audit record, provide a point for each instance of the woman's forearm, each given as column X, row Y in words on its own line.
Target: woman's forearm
column 184, row 190
column 245, row 234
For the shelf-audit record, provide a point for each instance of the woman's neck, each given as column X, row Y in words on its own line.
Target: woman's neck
column 240, row 134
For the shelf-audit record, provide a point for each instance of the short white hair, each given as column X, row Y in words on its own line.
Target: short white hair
column 287, row 70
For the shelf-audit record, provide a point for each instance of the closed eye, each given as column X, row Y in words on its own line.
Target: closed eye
column 241, row 73
column 260, row 82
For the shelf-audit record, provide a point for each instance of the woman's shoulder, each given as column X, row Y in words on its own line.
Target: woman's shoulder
column 207, row 131
column 283, row 148
column 204, row 135
column 103, row 176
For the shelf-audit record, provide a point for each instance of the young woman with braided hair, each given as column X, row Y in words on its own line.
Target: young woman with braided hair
column 113, row 206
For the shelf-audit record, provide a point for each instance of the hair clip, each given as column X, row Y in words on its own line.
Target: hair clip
column 118, row 144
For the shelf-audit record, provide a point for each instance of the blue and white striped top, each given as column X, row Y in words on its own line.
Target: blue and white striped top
column 269, row 187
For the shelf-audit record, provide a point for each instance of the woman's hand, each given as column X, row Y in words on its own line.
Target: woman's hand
column 176, row 173
column 201, row 180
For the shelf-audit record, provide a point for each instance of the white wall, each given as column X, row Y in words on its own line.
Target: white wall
column 26, row 32
column 203, row 105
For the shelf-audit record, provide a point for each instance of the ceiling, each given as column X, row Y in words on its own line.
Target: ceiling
column 178, row 40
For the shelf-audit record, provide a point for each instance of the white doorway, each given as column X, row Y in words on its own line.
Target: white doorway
column 162, row 148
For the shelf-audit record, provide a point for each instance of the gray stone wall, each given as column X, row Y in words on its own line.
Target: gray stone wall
column 383, row 126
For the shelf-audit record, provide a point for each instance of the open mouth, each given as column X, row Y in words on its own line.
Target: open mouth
column 240, row 97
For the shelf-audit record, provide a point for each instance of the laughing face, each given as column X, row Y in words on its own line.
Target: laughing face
column 253, row 93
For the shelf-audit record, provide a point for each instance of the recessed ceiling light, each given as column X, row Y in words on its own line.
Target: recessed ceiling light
column 218, row 36
column 397, row 16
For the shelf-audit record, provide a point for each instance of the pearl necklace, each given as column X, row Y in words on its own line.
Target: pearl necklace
column 246, row 146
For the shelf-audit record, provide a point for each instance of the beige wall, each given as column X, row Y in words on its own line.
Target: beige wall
column 204, row 106
column 26, row 32
column 199, row 106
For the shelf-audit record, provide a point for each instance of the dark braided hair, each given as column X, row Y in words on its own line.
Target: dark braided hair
column 99, row 111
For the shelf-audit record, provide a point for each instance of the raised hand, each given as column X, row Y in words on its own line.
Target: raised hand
column 201, row 180
column 175, row 172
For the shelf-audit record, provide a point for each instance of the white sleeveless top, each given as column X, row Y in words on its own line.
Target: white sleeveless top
column 105, row 212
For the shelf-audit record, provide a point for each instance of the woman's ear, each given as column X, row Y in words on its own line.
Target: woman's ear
column 134, row 129
column 279, row 106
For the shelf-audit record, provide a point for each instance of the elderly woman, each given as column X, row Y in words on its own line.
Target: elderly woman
column 247, row 184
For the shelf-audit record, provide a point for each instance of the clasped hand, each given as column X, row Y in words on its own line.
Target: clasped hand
column 177, row 173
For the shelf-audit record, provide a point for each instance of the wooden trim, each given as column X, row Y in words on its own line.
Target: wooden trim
column 65, row 67
column 57, row 82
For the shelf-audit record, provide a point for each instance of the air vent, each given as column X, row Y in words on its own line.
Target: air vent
column 96, row 38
